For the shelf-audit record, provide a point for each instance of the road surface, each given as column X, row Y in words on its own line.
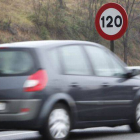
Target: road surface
column 104, row 133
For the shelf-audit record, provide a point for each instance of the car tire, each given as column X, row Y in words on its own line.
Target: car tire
column 58, row 124
column 135, row 125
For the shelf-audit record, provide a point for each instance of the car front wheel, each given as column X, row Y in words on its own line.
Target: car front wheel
column 135, row 126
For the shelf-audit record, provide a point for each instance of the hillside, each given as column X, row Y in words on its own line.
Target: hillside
column 23, row 20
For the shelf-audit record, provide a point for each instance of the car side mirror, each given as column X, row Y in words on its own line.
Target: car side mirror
column 132, row 73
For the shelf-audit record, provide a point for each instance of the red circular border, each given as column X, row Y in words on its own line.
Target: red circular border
column 125, row 21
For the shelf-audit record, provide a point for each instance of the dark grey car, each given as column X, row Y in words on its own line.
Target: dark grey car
column 56, row 86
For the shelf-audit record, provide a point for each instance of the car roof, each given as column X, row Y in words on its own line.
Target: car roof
column 48, row 43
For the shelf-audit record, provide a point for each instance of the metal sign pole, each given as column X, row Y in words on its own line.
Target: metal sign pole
column 112, row 45
column 111, row 22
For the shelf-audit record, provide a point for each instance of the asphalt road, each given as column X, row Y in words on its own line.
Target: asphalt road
column 104, row 133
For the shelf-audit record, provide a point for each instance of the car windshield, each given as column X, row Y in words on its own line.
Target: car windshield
column 15, row 62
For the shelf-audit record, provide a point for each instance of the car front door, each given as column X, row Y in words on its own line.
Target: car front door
column 117, row 91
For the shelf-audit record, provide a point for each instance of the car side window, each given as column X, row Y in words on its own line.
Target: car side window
column 117, row 68
column 53, row 56
column 74, row 60
column 100, row 61
column 103, row 63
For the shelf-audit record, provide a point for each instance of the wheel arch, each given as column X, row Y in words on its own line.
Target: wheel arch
column 136, row 98
column 135, row 101
column 52, row 101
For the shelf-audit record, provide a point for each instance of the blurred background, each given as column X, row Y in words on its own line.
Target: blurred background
column 23, row 20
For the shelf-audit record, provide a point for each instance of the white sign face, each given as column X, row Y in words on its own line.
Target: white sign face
column 111, row 21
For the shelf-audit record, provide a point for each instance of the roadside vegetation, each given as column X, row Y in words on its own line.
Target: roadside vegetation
column 23, row 20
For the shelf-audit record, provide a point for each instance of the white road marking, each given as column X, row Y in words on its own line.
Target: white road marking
column 101, row 129
column 16, row 134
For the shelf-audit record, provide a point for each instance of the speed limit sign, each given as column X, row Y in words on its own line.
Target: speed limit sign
column 111, row 21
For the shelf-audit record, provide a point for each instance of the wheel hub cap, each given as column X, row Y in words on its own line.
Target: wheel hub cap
column 138, row 114
column 59, row 123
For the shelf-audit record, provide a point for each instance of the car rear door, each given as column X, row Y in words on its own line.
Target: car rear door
column 78, row 78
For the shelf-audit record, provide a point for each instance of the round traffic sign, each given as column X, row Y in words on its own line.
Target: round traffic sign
column 111, row 21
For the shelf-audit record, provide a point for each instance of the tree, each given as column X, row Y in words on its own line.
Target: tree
column 130, row 6
column 62, row 4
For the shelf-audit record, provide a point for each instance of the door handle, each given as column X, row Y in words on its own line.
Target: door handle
column 74, row 85
column 105, row 85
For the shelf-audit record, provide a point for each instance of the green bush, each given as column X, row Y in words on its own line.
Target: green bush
column 44, row 34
